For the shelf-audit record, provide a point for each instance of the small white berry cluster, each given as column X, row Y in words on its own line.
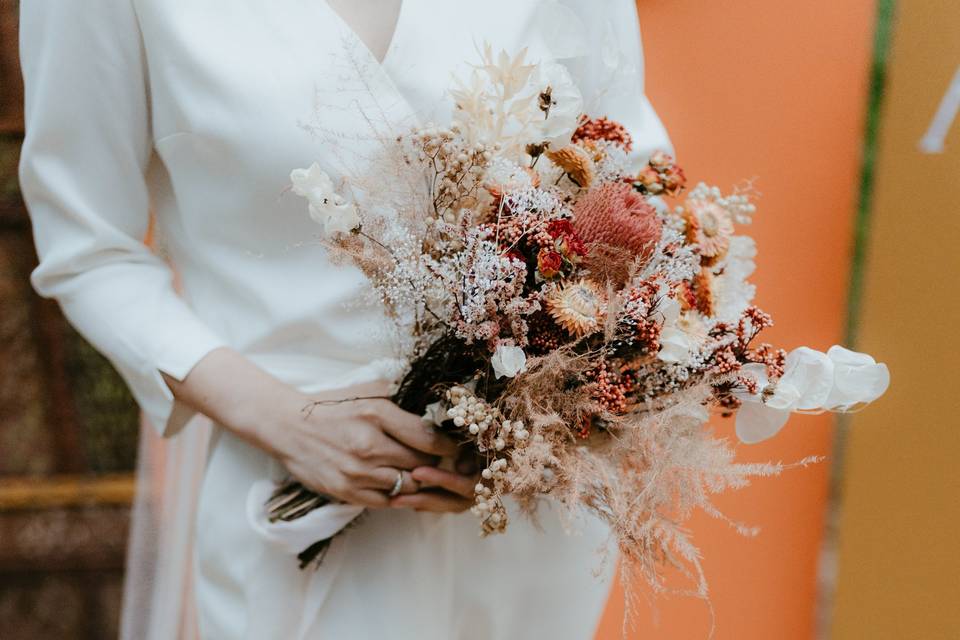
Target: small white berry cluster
column 738, row 204
column 458, row 167
column 496, row 437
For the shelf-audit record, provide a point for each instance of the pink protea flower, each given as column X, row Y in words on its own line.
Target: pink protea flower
column 614, row 214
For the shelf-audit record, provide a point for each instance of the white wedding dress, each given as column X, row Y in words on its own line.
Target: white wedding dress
column 195, row 109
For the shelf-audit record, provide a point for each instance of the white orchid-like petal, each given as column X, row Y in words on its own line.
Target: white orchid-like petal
column 327, row 207
column 811, row 381
column 757, row 422
column 809, row 375
column 858, row 378
column 761, row 416
column 667, row 311
column 558, row 125
column 314, row 184
column 675, row 345
column 756, row 371
column 342, row 218
column 508, row 361
column 732, row 289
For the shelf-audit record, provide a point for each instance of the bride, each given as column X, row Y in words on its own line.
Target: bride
column 197, row 111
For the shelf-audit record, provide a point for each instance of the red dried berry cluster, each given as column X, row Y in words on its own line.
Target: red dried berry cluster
column 640, row 302
column 647, row 335
column 544, row 334
column 603, row 129
column 752, row 322
column 725, row 361
column 773, row 358
column 611, row 389
column 641, row 296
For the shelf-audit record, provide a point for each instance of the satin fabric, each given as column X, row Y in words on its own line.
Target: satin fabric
column 198, row 110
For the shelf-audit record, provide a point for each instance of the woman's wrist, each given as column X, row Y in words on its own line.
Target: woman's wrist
column 269, row 416
column 237, row 394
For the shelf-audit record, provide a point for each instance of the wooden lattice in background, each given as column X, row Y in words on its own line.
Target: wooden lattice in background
column 67, row 432
column 11, row 90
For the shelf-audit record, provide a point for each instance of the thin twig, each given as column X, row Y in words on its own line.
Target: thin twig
column 316, row 403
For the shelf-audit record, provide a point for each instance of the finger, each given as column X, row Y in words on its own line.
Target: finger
column 462, row 485
column 377, row 388
column 391, row 453
column 370, row 498
column 363, row 391
column 468, row 463
column 414, row 431
column 385, row 479
column 436, row 501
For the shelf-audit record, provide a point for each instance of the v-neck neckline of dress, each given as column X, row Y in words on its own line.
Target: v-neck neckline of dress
column 394, row 37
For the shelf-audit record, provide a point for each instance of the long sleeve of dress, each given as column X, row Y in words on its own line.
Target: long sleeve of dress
column 610, row 71
column 82, row 172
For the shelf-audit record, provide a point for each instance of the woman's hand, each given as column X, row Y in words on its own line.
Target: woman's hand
column 349, row 444
column 441, row 491
column 353, row 449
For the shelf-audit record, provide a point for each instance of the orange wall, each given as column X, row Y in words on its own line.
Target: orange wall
column 775, row 91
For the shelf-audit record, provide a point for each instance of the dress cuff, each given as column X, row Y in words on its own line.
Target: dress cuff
column 167, row 414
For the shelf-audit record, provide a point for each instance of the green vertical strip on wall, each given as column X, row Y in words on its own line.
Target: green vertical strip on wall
column 883, row 36
column 878, row 77
column 898, row 559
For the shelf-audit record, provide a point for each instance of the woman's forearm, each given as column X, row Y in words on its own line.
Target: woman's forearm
column 233, row 391
column 352, row 449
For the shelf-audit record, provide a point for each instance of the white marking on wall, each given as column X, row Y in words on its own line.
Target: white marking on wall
column 936, row 136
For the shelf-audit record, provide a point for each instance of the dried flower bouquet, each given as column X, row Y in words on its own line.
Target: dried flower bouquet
column 573, row 321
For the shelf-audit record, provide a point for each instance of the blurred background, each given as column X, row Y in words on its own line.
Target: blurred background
column 846, row 116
